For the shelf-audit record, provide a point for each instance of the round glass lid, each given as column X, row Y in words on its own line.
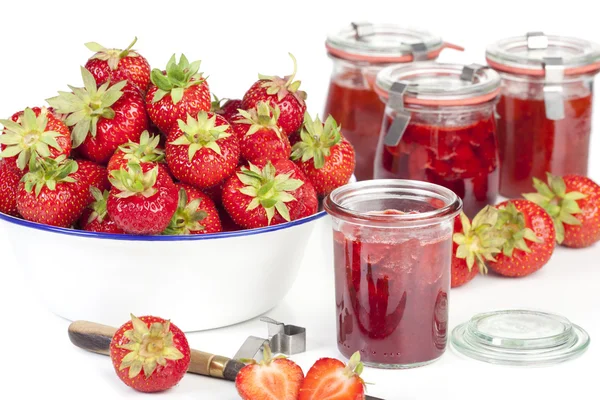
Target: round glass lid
column 520, row 337
column 528, row 54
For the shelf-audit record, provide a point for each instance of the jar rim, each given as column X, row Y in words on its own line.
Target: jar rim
column 336, row 202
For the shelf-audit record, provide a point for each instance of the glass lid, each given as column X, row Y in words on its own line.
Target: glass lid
column 520, row 337
column 362, row 41
column 529, row 54
column 431, row 83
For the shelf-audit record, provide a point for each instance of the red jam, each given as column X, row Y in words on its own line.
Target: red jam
column 531, row 145
column 392, row 295
column 359, row 111
column 462, row 158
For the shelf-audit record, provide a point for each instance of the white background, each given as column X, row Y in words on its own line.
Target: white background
column 42, row 48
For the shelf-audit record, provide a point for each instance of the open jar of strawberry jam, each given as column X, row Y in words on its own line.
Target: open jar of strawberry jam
column 439, row 127
column 392, row 257
column 545, row 109
column 359, row 52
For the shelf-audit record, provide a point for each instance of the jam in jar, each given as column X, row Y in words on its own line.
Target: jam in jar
column 545, row 107
column 392, row 256
column 439, row 127
column 359, row 52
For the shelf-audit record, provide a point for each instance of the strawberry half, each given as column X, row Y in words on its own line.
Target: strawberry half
column 573, row 202
column 179, row 91
column 268, row 194
column 143, row 199
column 103, row 117
column 150, row 354
column 323, row 155
column 196, row 213
column 331, row 379
column 32, row 133
column 202, row 151
column 95, row 218
column 9, row 184
column 271, row 379
column 280, row 92
column 116, row 65
column 147, row 150
column 261, row 139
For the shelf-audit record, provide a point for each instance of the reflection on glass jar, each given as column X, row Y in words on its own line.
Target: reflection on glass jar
column 359, row 52
column 392, row 254
column 445, row 130
column 545, row 110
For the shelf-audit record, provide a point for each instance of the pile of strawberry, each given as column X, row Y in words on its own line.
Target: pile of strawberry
column 517, row 237
column 146, row 152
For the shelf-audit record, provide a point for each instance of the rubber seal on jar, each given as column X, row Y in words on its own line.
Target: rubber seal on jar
column 375, row 59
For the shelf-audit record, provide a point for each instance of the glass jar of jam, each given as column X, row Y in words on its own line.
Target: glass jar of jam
column 439, row 127
column 359, row 52
column 545, row 108
column 392, row 257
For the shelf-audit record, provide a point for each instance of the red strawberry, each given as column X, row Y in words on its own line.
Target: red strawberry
column 227, row 110
column 147, row 150
column 53, row 192
column 261, row 139
column 204, row 151
column 31, row 133
column 103, row 118
column 271, row 379
column 269, row 194
column 117, row 65
column 95, row 218
column 529, row 236
column 9, row 184
column 331, row 379
column 143, row 199
column 573, row 202
column 281, row 92
column 474, row 244
column 323, row 155
column 176, row 93
column 196, row 213
column 150, row 354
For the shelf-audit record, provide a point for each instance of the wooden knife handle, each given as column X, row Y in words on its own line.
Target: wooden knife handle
column 96, row 338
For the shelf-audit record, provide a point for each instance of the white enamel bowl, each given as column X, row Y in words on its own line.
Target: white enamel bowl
column 199, row 281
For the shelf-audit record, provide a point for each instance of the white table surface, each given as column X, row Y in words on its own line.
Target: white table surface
column 39, row 360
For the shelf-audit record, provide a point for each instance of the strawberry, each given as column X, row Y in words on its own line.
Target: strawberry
column 143, row 199
column 202, row 151
column 280, row 92
column 95, row 218
column 268, row 194
column 271, row 379
column 176, row 93
column 150, row 354
column 32, row 133
column 261, row 139
column 117, row 65
column 227, row 110
column 9, row 183
column 529, row 237
column 323, row 155
column 53, row 192
column 103, row 117
column 147, row 150
column 573, row 202
column 96, row 176
column 474, row 244
column 331, row 379
column 196, row 213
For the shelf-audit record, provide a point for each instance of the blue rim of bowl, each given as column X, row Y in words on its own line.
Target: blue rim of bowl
column 158, row 238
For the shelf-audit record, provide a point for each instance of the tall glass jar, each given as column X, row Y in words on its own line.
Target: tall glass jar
column 545, row 110
column 439, row 127
column 392, row 257
column 359, row 52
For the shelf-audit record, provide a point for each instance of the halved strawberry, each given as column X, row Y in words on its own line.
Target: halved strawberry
column 331, row 379
column 281, row 92
column 9, row 185
column 95, row 218
column 271, row 379
column 196, row 213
